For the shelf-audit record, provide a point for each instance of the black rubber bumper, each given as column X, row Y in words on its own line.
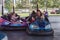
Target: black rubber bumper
column 11, row 28
column 40, row 32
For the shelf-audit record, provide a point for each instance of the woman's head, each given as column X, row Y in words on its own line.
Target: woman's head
column 13, row 14
column 39, row 13
column 33, row 12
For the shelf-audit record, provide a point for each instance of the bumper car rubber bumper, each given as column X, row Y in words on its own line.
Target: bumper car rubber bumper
column 12, row 27
column 51, row 33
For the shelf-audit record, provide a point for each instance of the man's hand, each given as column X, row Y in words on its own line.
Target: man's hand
column 33, row 19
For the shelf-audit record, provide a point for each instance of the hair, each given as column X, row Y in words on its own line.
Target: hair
column 33, row 12
column 40, row 12
column 11, row 13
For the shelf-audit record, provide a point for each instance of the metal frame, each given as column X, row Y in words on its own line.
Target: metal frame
column 2, row 8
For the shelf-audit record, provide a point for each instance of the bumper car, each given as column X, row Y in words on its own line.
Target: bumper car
column 7, row 25
column 3, row 36
column 40, row 28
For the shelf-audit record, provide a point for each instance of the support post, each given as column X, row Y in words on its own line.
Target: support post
column 2, row 8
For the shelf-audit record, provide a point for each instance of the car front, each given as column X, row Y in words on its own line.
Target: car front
column 35, row 29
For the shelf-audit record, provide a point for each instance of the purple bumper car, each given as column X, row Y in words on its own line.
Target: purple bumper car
column 7, row 25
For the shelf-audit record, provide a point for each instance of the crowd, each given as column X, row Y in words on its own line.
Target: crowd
column 14, row 17
column 37, row 16
column 11, row 16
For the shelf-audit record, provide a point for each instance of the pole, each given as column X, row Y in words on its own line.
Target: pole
column 2, row 8
column 13, row 10
column 13, row 7
column 46, row 12
column 37, row 5
column 45, row 5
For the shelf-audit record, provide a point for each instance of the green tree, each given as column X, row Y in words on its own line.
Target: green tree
column 50, row 3
column 22, row 4
column 18, row 4
column 41, row 3
column 8, row 5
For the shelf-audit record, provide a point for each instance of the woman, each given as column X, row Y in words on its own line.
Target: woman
column 14, row 17
column 39, row 14
column 40, row 19
column 32, row 16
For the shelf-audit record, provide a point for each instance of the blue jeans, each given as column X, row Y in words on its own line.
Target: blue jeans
column 41, row 23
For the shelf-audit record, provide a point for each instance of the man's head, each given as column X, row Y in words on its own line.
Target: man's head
column 39, row 13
